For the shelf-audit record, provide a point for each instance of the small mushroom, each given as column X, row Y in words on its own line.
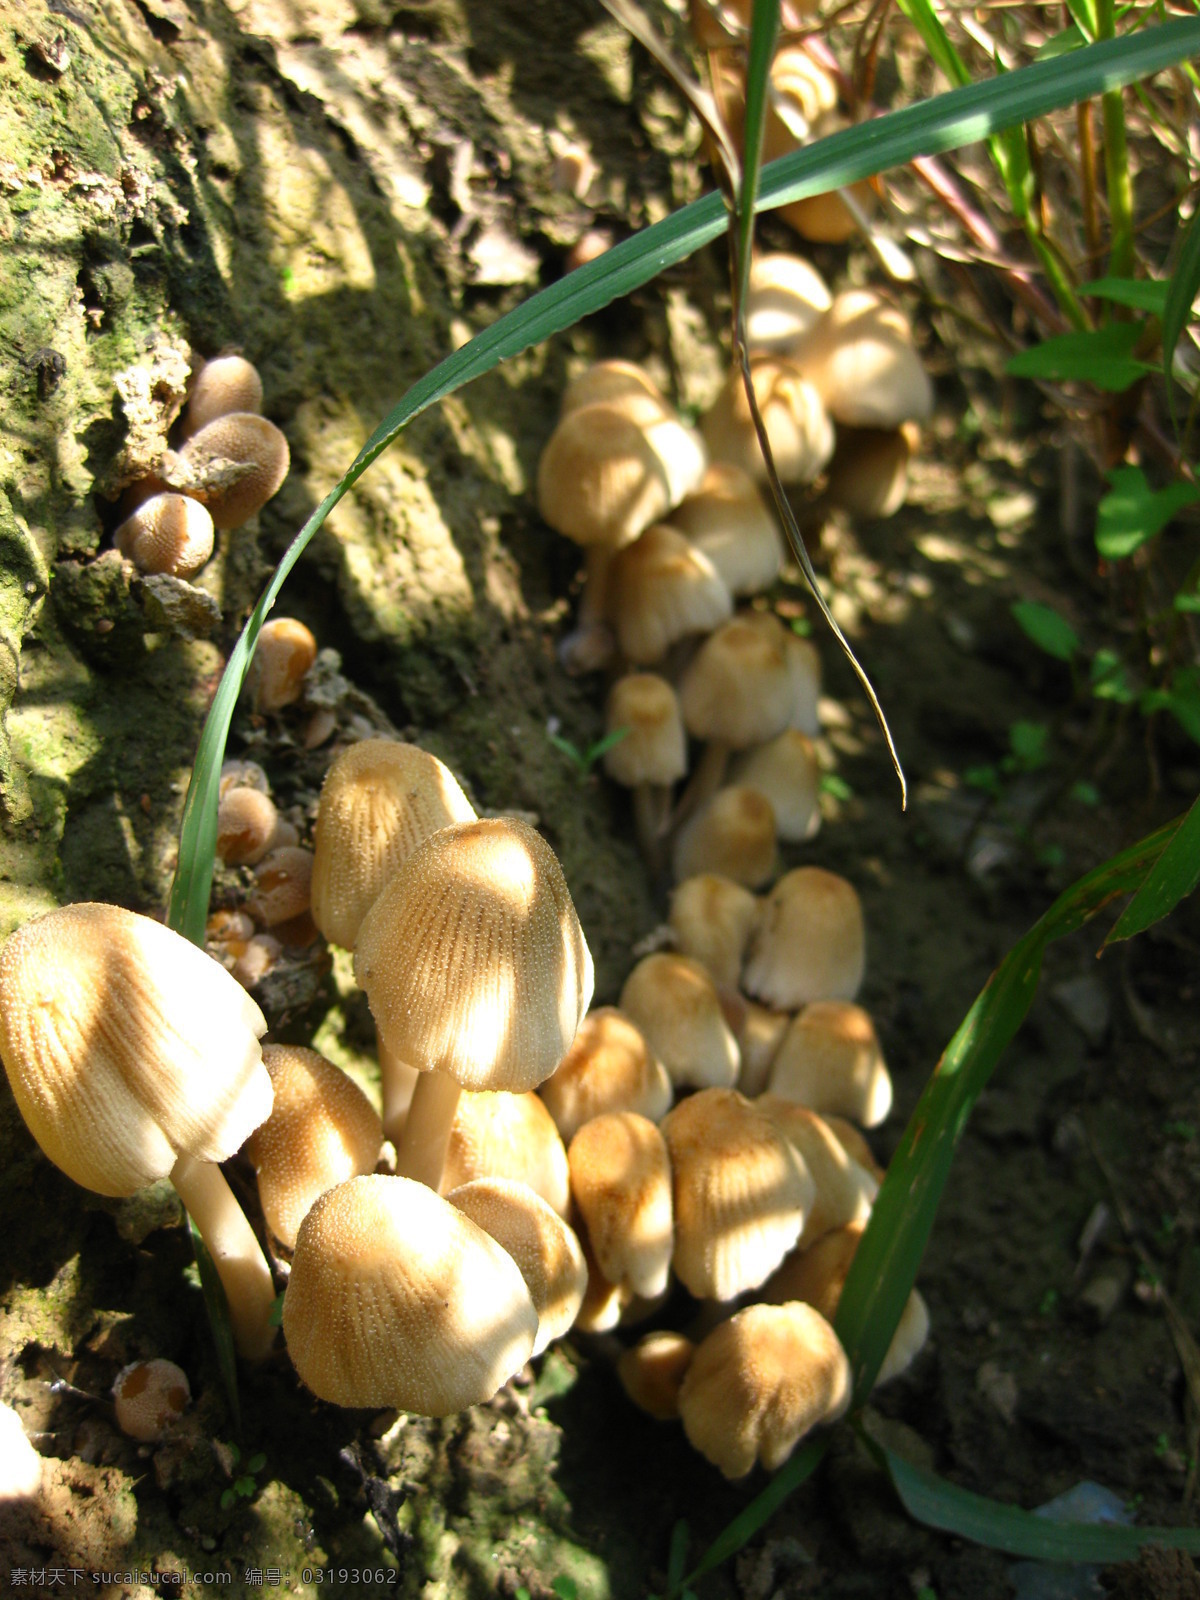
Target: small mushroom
column 830, row 1059
column 621, row 1184
column 663, row 589
column 728, row 521
column 712, row 918
column 168, row 533
column 650, row 757
column 224, row 384
column 732, row 835
column 149, row 1397
column 810, row 942
column 502, row 1135
column 234, row 464
column 283, row 654
column 675, row 1004
column 609, row 1067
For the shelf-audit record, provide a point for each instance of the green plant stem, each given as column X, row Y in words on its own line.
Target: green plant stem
column 1117, row 174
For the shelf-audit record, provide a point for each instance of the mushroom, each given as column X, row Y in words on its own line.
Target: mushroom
column 224, row 384
column 234, row 464
column 786, row 772
column 149, row 1397
column 675, row 1004
column 663, row 589
column 861, row 359
column 712, row 918
column 732, row 834
column 810, row 943
column 397, row 1299
column 830, row 1059
column 845, row 1190
column 282, row 886
column 476, row 971
column 133, row 1056
column 609, row 1067
column 868, row 475
column 621, row 1184
column 246, row 825
column 651, row 756
column 652, row 1371
column 787, row 296
column 168, row 533
column 499, row 1135
column 282, row 656
column 794, row 417
column 728, row 521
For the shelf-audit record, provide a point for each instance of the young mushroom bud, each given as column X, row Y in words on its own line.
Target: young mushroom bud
column 246, row 825
column 168, row 533
column 728, row 521
column 810, row 943
column 652, row 1372
column 663, row 589
column 651, row 755
column 149, row 1397
column 732, row 835
column 621, row 1183
column 862, row 361
column 674, row 1003
column 609, row 1067
column 787, row 297
column 498, row 1135
column 283, row 654
column 222, row 385
column 830, row 1059
column 797, row 424
column 282, row 886
column 712, row 918
column 235, row 464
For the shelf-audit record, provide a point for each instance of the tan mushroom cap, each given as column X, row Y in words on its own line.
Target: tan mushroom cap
column 397, row 1299
column 759, row 1382
column 675, row 1004
column 732, row 835
column 246, row 823
column 854, row 1141
column 861, row 359
column 169, row 1040
column 149, row 1397
column 661, row 589
column 797, row 423
column 759, row 1031
column 282, row 886
column 868, row 476
column 224, row 384
column 831, row 1060
column 742, row 1194
column 321, row 1131
column 786, row 771
column 609, row 1067
column 652, row 1371
column 237, row 462
column 380, row 799
column 787, row 297
column 283, row 654
column 810, row 943
column 654, row 750
column 607, row 381
column 727, row 519
column 604, row 1303
column 845, row 1190
column 804, row 668
column 621, row 1184
column 544, row 1248
column 473, row 960
column 737, row 687
column 168, row 533
column 712, row 918
column 497, row 1135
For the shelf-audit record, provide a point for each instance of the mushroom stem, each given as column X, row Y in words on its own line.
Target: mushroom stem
column 421, row 1149
column 397, row 1083
column 651, row 819
column 590, row 645
column 236, row 1253
column 704, row 781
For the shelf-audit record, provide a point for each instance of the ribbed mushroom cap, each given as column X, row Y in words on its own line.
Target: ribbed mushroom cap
column 149, row 1397
column 761, row 1381
column 861, row 359
column 126, row 1045
column 868, row 476
column 621, row 1184
column 794, row 415
column 830, row 1059
column 246, row 823
column 675, row 1004
column 742, row 1194
column 498, row 1135
column 661, row 589
column 810, row 943
column 845, row 1190
column 728, row 520
column 167, row 533
column 380, row 799
column 544, row 1248
column 282, row 656
column 654, row 750
column 733, row 835
column 652, row 1372
column 600, row 478
column 397, row 1299
column 712, row 917
column 785, row 769
column 238, row 461
column 609, row 1067
column 737, row 687
column 787, row 297
column 321, row 1131
column 607, row 381
column 473, row 960
column 222, row 385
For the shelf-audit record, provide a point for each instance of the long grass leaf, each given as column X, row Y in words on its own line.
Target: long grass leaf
column 764, row 33
column 1183, row 289
column 950, row 120
column 1175, row 875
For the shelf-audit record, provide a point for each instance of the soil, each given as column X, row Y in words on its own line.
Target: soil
column 346, row 190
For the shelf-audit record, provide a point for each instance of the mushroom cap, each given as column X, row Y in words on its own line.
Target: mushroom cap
column 607, row 381
column 785, row 769
column 149, row 1397
column 830, row 1059
column 609, row 1067
column 168, row 533
column 759, row 1382
column 284, row 652
column 661, row 588
column 731, row 834
column 810, row 943
column 787, row 297
column 544, row 1248
column 380, row 799
column 472, row 957
column 759, row 1031
column 497, row 1135
column 321, row 1131
column 742, row 1194
column 258, row 452
column 728, row 520
column 652, row 1372
column 224, row 384
column 282, row 885
column 621, row 1184
column 712, row 917
column 862, row 361
column 868, row 475
column 397, row 1299
column 800, row 92
column 845, row 1190
column 674, row 1003
column 126, row 1045
column 804, row 668
column 654, row 750
column 797, row 423
column 246, row 823
column 737, row 687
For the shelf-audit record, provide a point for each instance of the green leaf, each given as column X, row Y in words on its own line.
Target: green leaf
column 607, row 743
column 764, row 32
column 1102, row 357
column 1132, row 512
column 1060, row 45
column 1175, row 875
column 1181, row 698
column 217, row 1307
column 1047, row 628
column 1185, row 285
column 256, row 1462
column 943, row 1505
column 1029, row 742
column 677, row 1555
column 565, row 1588
column 1109, row 679
column 1142, row 294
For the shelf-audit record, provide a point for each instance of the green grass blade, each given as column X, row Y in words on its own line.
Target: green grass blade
column 217, row 1308
column 943, row 1505
column 1174, row 876
column 953, row 119
column 1183, row 289
column 764, row 33
column 799, row 1467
